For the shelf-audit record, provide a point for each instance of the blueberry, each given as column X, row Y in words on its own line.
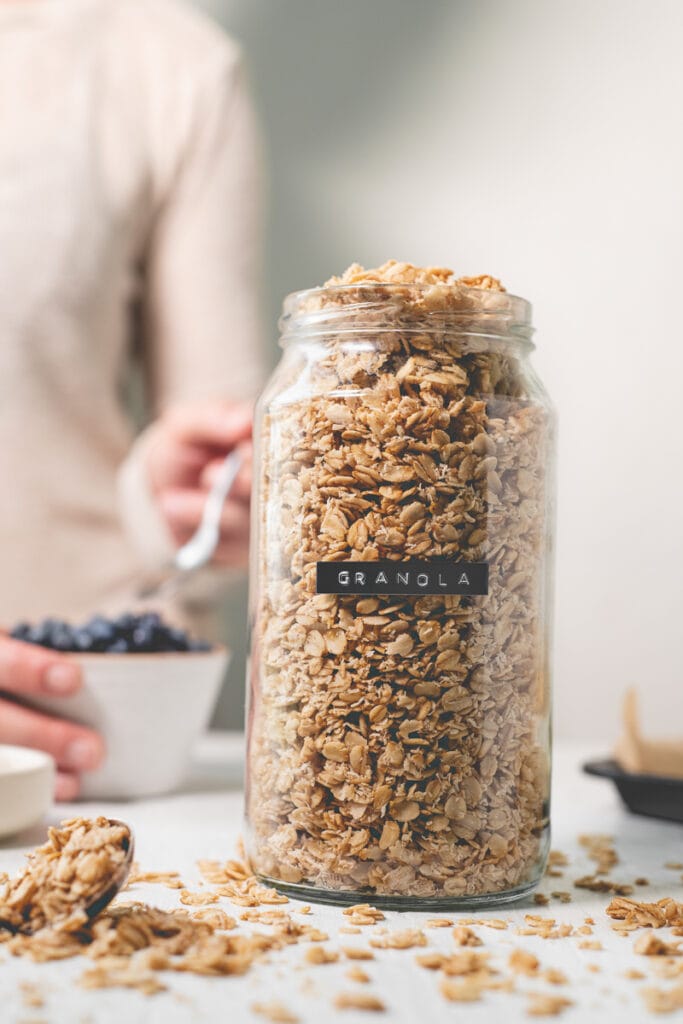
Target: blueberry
column 63, row 639
column 125, row 624
column 82, row 639
column 118, row 647
column 40, row 634
column 21, row 631
column 101, row 630
column 152, row 620
column 143, row 638
column 199, row 645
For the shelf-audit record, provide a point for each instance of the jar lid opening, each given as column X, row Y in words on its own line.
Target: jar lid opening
column 376, row 307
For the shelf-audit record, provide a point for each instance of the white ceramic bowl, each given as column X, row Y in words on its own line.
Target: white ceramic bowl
column 27, row 779
column 150, row 709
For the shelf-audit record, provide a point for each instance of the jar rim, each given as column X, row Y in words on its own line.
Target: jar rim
column 352, row 308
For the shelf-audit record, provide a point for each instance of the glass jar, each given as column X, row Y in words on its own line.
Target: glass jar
column 400, row 606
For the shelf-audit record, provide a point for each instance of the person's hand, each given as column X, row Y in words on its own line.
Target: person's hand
column 187, row 445
column 26, row 670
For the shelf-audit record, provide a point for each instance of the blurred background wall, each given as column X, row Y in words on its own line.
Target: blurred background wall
column 540, row 142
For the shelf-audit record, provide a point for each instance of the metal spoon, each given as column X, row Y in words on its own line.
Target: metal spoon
column 110, row 887
column 199, row 549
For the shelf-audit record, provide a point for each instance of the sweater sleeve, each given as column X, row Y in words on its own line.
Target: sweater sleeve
column 201, row 330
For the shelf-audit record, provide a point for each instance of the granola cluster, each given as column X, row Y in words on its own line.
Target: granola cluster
column 62, row 877
column 399, row 744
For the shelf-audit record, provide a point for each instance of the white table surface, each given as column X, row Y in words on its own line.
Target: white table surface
column 204, row 821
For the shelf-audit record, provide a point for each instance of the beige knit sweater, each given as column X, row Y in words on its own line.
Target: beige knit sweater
column 128, row 196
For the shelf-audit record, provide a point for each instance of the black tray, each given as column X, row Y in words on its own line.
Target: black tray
column 656, row 796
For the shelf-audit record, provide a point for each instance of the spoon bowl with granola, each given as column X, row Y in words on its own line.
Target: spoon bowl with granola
column 70, row 879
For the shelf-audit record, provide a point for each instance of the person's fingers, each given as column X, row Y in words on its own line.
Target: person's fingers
column 73, row 747
column 186, row 438
column 182, row 510
column 27, row 669
column 222, row 424
column 67, row 787
column 241, row 489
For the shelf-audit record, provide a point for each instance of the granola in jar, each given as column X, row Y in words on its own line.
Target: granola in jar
column 400, row 605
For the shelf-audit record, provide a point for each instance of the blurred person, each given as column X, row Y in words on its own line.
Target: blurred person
column 129, row 211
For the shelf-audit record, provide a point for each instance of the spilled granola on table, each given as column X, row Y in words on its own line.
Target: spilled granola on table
column 398, row 744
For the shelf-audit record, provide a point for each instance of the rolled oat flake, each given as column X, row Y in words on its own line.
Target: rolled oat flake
column 398, row 705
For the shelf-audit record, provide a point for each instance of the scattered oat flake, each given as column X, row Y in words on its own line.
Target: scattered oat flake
column 523, row 962
column 540, row 899
column 464, row 936
column 554, row 976
column 674, row 865
column 250, row 893
column 358, row 1001
column 215, row 918
column 234, row 879
column 488, row 922
column 220, row 872
column 438, row 922
column 124, row 974
column 649, row 944
column 467, row 963
column 634, row 974
column 265, row 915
column 356, row 953
column 171, row 879
column 668, row 967
column 363, row 914
column 662, row 1000
column 595, row 884
column 320, row 955
column 600, row 849
column 432, row 961
column 590, row 944
column 31, row 994
column 197, row 899
column 544, row 927
column 465, row 991
column 541, row 1005
column 406, row 939
column 358, row 974
column 276, row 1012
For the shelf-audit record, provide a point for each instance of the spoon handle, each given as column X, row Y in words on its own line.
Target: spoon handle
column 200, row 548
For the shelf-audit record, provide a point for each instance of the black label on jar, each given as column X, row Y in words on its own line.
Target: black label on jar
column 412, row 577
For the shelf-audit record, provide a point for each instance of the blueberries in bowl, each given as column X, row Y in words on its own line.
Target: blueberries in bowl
column 146, row 633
